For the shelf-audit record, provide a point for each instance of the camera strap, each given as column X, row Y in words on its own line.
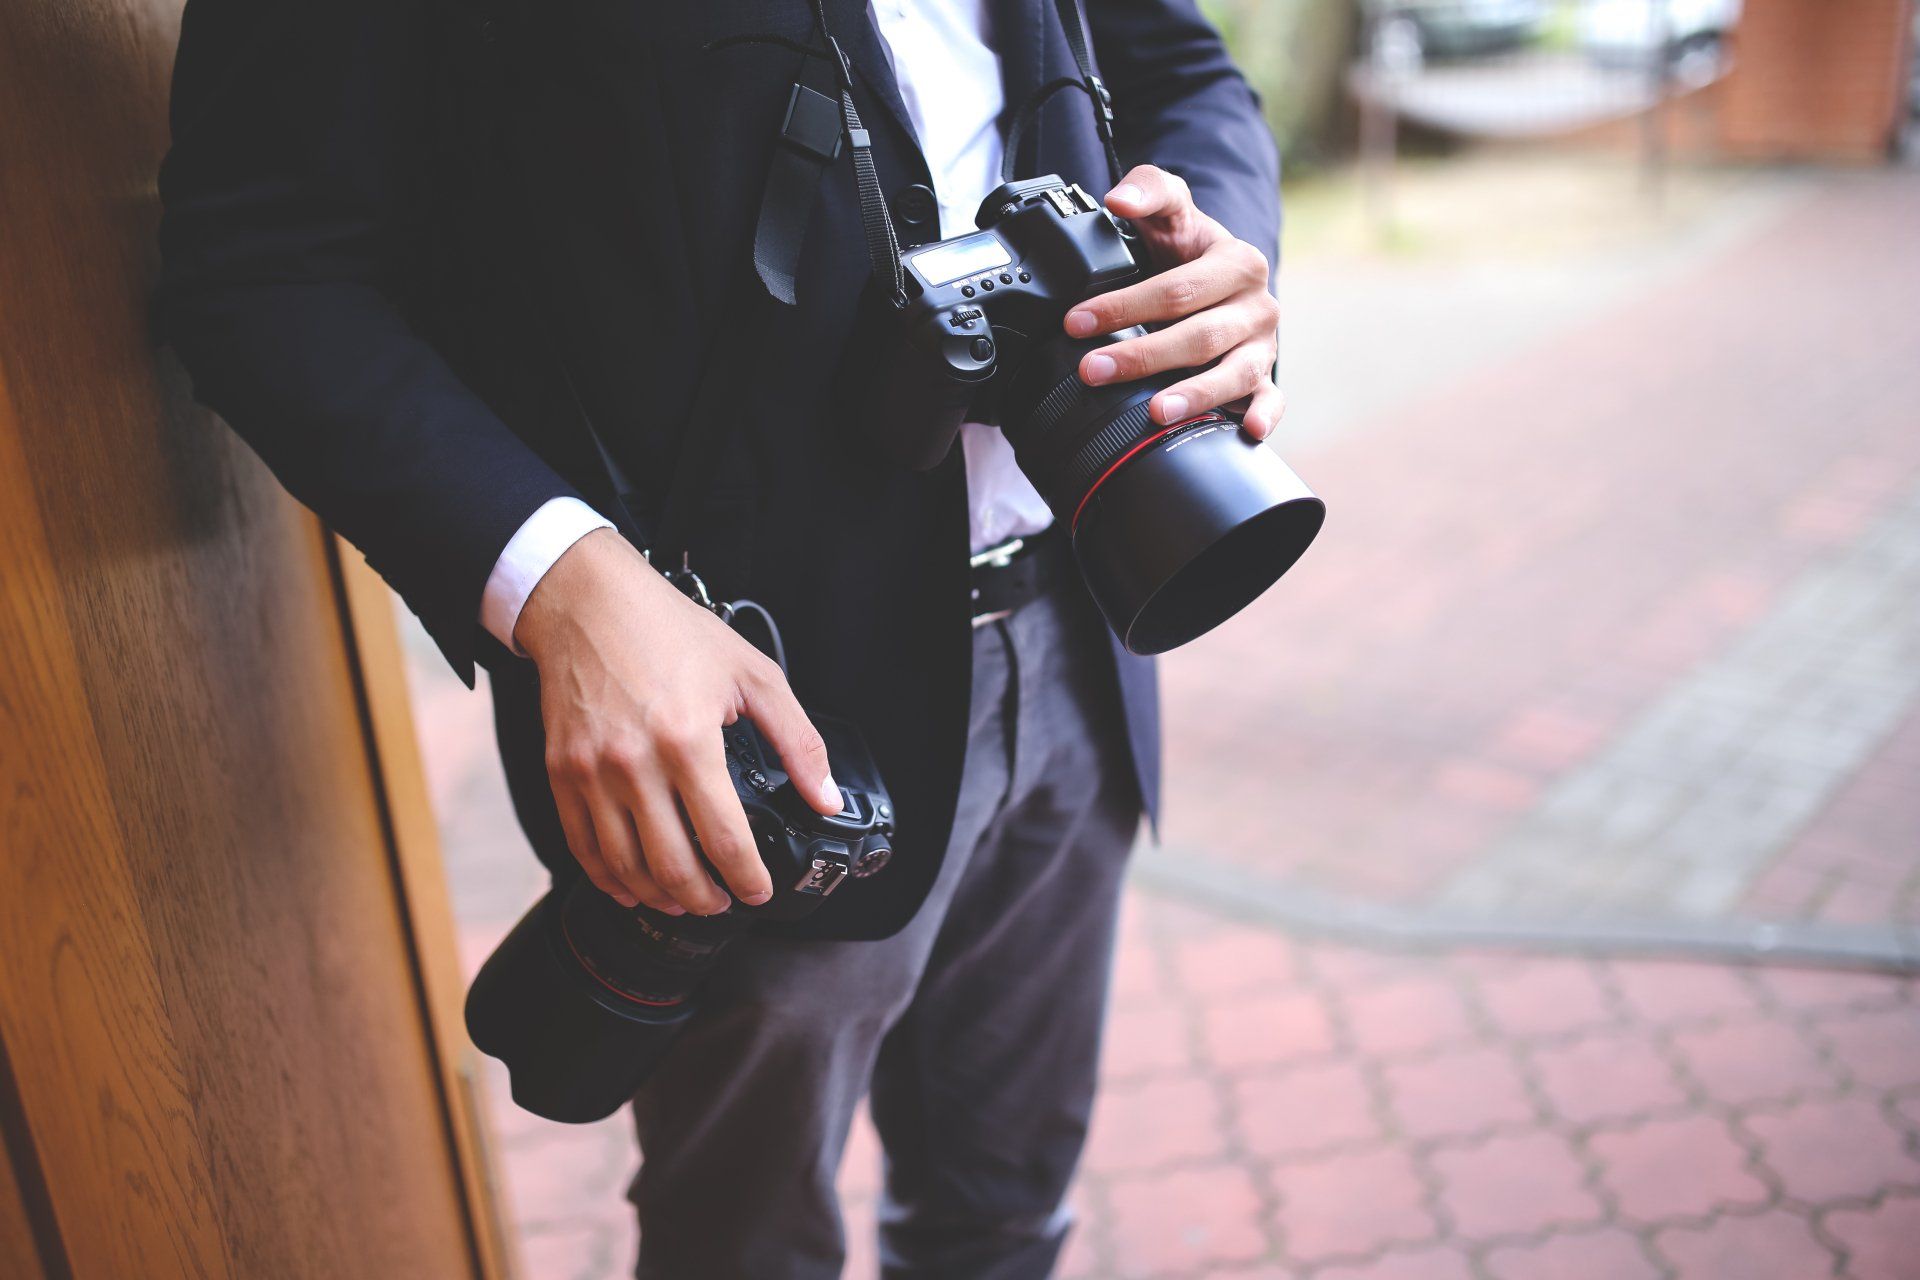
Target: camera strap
column 810, row 141
column 820, row 118
column 811, row 138
column 1073, row 22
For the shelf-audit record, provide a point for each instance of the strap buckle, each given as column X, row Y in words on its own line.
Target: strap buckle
column 813, row 124
column 1102, row 106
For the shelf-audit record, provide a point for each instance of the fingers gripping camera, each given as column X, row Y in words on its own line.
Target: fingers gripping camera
column 808, row 855
column 584, row 997
column 1069, row 248
column 1176, row 528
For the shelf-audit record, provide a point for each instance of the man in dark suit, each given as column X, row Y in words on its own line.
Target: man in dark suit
column 414, row 247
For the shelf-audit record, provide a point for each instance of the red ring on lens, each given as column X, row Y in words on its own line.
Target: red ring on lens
column 1209, row 416
column 622, row 992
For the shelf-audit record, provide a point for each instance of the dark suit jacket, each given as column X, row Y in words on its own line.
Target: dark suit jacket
column 381, row 317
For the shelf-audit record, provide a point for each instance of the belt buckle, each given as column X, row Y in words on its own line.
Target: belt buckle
column 994, row 557
column 997, row 557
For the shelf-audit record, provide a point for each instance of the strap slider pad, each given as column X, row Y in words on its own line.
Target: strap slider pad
column 813, row 124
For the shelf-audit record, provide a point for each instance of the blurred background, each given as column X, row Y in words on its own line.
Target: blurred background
column 1541, row 870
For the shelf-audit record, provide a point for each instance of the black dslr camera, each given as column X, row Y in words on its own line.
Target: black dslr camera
column 583, row 997
column 1176, row 528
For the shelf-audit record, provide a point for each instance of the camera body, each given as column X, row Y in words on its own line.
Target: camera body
column 1176, row 526
column 584, row 997
column 808, row 856
column 1045, row 245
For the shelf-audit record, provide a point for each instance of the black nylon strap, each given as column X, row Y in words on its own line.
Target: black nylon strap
column 1024, row 117
column 813, row 145
column 883, row 245
column 809, row 144
column 810, row 139
column 1073, row 20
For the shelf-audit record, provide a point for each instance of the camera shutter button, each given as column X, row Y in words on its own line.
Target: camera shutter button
column 982, row 348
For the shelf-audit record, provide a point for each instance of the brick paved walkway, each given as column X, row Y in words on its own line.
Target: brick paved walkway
column 1529, row 568
column 1579, row 600
column 1279, row 1110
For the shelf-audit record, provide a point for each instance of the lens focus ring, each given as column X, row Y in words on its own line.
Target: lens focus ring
column 1066, row 393
column 1105, row 447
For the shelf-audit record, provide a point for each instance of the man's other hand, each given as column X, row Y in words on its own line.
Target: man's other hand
column 636, row 682
column 1212, row 286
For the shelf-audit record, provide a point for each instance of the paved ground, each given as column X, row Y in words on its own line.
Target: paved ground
column 1278, row 1109
column 1645, row 582
column 1628, row 581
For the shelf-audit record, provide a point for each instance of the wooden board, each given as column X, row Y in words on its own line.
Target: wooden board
column 221, row 1019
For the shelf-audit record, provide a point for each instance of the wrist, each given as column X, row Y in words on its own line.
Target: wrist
column 564, row 596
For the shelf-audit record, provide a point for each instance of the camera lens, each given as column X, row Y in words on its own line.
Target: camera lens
column 584, row 997
column 1176, row 528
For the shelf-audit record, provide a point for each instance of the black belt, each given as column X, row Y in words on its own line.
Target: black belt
column 1019, row 571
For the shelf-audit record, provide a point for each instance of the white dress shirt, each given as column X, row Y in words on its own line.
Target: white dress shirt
column 949, row 79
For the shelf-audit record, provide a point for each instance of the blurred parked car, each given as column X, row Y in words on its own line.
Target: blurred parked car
column 1629, row 33
column 1406, row 33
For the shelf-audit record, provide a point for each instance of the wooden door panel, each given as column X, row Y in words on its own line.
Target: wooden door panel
column 227, row 1055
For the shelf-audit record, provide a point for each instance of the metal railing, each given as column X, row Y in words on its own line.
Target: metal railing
column 1509, row 69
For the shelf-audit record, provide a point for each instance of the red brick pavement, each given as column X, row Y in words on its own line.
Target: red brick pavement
column 1858, row 856
column 1519, row 561
column 1511, row 1155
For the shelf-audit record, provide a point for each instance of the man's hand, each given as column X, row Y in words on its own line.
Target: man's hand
column 635, row 683
column 1215, row 287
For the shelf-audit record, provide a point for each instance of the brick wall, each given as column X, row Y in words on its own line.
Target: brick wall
column 1816, row 79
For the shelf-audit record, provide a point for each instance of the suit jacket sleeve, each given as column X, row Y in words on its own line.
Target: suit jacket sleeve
column 293, row 211
column 1180, row 103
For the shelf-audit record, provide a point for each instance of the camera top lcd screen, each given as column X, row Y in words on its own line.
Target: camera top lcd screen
column 950, row 261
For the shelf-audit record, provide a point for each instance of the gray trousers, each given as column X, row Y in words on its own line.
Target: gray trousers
column 976, row 1028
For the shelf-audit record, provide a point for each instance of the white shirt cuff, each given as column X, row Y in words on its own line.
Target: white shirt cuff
column 529, row 553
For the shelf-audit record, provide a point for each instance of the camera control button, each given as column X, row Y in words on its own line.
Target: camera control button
column 986, row 283
column 966, row 291
column 1026, row 278
column 1006, row 277
column 982, row 348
